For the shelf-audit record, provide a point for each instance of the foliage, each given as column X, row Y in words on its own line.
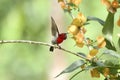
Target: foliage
column 108, row 63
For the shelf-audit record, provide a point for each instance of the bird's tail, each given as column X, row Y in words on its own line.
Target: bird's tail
column 51, row 49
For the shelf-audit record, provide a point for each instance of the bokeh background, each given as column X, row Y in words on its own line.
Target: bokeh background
column 30, row 20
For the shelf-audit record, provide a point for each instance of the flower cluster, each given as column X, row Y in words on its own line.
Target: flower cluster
column 111, row 6
column 77, row 29
column 68, row 5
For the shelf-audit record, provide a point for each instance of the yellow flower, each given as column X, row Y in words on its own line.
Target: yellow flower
column 79, row 38
column 101, row 42
column 80, row 44
column 73, row 29
column 76, row 2
column 115, row 4
column 95, row 73
column 79, row 20
column 106, row 72
column 62, row 4
column 93, row 52
column 111, row 6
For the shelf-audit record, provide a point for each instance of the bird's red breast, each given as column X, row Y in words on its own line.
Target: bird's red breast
column 61, row 37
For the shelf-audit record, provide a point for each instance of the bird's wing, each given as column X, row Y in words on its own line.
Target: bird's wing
column 54, row 29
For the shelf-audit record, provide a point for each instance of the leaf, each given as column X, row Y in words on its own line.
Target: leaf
column 109, row 45
column 111, row 58
column 108, row 27
column 82, row 54
column 112, row 53
column 90, row 67
column 100, row 63
column 76, row 74
column 90, row 18
column 72, row 67
column 71, row 4
column 119, row 1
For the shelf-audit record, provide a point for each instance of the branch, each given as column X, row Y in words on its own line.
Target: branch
column 41, row 43
column 25, row 41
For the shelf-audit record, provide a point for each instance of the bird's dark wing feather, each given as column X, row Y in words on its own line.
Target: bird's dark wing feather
column 54, row 28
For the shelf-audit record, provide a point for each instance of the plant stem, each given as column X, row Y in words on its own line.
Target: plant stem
column 41, row 43
column 76, row 74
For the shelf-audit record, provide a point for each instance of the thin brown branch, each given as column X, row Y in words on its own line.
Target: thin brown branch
column 40, row 43
column 73, row 53
column 25, row 41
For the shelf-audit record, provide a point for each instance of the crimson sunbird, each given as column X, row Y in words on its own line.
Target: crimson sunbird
column 57, row 37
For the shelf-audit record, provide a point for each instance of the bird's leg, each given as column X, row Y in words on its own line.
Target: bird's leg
column 59, row 46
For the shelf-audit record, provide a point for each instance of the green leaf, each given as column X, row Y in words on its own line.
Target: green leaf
column 111, row 58
column 119, row 1
column 90, row 67
column 71, row 4
column 76, row 74
column 108, row 27
column 82, row 54
column 111, row 53
column 100, row 63
column 109, row 45
column 72, row 67
column 89, row 18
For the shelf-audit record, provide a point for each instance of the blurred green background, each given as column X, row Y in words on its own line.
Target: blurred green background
column 30, row 20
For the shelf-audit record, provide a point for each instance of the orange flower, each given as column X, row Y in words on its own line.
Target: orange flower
column 80, row 44
column 107, row 3
column 111, row 6
column 95, row 73
column 77, row 29
column 62, row 4
column 76, row 2
column 79, row 38
column 73, row 29
column 101, row 42
column 92, row 53
column 79, row 20
column 115, row 4
column 106, row 72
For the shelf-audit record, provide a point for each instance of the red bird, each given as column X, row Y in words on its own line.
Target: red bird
column 57, row 37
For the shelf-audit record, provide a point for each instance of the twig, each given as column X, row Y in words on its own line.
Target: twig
column 25, row 41
column 41, row 43
column 76, row 74
column 74, row 53
column 70, row 13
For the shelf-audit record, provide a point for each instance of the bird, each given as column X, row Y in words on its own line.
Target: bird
column 58, row 37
